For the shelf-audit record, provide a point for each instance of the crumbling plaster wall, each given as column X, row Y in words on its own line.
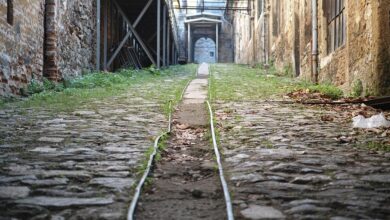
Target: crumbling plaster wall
column 364, row 57
column 21, row 45
column 225, row 49
column 305, row 37
column 382, row 25
column 281, row 42
column 242, row 36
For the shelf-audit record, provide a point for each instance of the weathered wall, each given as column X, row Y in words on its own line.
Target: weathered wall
column 382, row 24
column 225, row 49
column 21, row 45
column 365, row 56
column 251, row 34
column 281, row 33
column 76, row 36
column 242, row 38
column 303, row 19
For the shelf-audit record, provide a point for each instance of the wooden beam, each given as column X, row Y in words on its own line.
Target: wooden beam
column 135, row 33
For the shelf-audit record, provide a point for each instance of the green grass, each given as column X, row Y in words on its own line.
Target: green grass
column 376, row 146
column 162, row 145
column 72, row 94
column 327, row 90
column 230, row 82
column 238, row 82
column 2, row 102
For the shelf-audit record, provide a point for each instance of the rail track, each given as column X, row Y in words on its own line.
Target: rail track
column 151, row 162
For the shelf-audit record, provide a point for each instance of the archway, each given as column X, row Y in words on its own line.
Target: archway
column 204, row 50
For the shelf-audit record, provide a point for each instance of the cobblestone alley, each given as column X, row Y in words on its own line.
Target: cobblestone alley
column 194, row 109
column 282, row 161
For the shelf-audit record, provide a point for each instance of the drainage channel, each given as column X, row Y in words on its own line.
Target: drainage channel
column 186, row 181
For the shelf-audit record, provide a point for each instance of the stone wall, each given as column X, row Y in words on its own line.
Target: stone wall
column 76, row 37
column 365, row 56
column 22, row 44
column 282, row 36
column 250, row 30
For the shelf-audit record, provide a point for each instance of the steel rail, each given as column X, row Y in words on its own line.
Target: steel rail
column 228, row 201
column 138, row 189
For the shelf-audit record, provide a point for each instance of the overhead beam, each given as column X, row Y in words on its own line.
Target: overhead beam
column 134, row 32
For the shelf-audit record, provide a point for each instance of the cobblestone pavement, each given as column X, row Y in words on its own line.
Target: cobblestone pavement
column 283, row 162
column 80, row 164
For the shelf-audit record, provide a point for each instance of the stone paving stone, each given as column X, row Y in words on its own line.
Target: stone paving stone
column 117, row 183
column 285, row 157
column 62, row 202
column 82, row 162
column 47, row 182
column 13, row 192
column 262, row 212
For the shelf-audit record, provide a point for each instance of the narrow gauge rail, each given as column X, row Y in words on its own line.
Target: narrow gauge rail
column 138, row 189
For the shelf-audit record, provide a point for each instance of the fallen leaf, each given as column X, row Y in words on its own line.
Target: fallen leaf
column 327, row 118
column 182, row 126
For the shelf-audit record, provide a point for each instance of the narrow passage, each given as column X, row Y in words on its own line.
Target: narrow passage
column 185, row 183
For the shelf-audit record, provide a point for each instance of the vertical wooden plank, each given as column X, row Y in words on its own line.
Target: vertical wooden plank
column 332, row 9
column 164, row 29
column 98, row 12
column 158, row 49
column 105, row 33
column 332, row 36
column 344, row 28
column 337, row 31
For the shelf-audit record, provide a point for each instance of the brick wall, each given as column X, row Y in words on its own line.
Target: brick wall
column 76, row 37
column 22, row 44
